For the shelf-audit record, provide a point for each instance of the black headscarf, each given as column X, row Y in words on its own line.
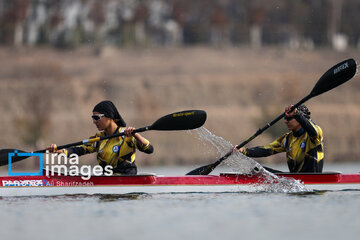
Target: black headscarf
column 109, row 110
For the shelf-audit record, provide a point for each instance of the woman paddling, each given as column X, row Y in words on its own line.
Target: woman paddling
column 303, row 144
column 119, row 152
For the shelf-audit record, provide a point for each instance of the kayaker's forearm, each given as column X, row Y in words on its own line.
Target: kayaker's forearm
column 306, row 124
column 143, row 144
column 140, row 139
column 149, row 149
column 77, row 150
column 258, row 152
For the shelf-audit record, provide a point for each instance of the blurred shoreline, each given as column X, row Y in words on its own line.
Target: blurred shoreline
column 47, row 96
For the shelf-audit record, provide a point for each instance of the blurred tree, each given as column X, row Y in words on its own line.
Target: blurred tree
column 97, row 15
column 13, row 20
column 256, row 21
column 219, row 27
column 141, row 17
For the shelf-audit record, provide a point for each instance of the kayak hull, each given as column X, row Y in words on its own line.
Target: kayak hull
column 151, row 183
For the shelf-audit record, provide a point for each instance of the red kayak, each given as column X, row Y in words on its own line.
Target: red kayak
column 151, row 183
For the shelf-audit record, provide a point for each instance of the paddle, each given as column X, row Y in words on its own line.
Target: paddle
column 335, row 76
column 184, row 120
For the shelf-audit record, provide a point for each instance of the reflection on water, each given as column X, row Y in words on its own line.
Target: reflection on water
column 117, row 197
column 310, row 193
column 79, row 197
column 163, row 196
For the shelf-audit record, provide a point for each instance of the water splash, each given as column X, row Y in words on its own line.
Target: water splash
column 242, row 164
column 272, row 183
column 237, row 162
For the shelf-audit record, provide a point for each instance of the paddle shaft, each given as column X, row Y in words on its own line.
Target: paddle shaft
column 96, row 139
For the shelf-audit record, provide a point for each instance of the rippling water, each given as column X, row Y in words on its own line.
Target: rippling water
column 313, row 215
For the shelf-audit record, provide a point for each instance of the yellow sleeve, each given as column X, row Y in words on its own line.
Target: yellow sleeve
column 278, row 145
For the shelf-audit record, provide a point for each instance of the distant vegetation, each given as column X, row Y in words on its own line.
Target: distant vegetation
column 68, row 24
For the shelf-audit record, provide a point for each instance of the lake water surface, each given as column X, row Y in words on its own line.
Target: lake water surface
column 237, row 215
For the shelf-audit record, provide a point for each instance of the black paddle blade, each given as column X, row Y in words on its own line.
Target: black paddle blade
column 4, row 156
column 204, row 170
column 335, row 76
column 184, row 120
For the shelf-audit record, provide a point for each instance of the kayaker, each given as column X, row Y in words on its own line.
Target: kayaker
column 303, row 144
column 118, row 152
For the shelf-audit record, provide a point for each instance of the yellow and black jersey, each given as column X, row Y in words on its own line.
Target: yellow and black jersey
column 119, row 152
column 304, row 148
